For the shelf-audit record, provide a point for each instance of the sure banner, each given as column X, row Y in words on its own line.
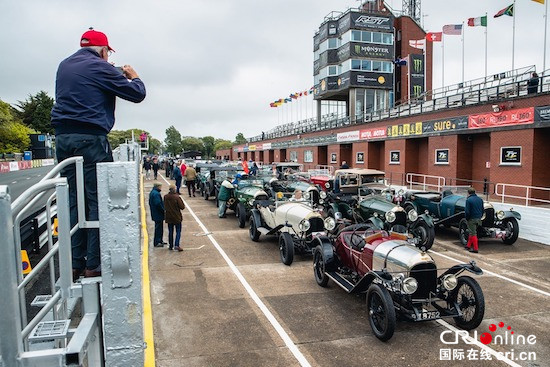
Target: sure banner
column 502, row 118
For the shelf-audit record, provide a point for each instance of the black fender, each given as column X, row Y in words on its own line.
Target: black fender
column 257, row 216
column 377, row 222
column 326, row 246
column 365, row 282
column 423, row 217
column 511, row 214
column 471, row 267
column 411, row 203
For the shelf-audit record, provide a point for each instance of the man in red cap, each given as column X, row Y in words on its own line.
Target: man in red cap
column 86, row 88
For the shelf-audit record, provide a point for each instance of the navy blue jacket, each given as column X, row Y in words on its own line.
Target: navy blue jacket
column 474, row 207
column 156, row 205
column 86, row 87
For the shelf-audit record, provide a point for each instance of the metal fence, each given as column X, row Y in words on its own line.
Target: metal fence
column 57, row 335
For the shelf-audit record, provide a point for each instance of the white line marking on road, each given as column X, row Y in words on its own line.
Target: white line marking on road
column 276, row 325
column 498, row 275
column 499, row 356
column 14, row 182
column 28, row 178
column 192, row 248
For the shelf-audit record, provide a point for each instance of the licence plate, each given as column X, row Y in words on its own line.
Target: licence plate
column 428, row 315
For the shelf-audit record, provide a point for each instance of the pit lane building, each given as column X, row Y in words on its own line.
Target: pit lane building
column 488, row 130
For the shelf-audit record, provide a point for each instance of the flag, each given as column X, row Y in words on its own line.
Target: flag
column 418, row 43
column 479, row 21
column 434, row 36
column 452, row 29
column 509, row 10
column 288, row 100
column 400, row 62
column 272, row 104
column 539, row 1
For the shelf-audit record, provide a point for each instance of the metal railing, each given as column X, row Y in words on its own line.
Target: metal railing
column 509, row 191
column 425, row 181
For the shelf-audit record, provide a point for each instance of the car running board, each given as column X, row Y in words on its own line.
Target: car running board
column 341, row 281
column 263, row 230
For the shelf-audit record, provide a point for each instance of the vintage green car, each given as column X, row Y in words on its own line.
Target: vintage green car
column 292, row 184
column 246, row 192
column 279, row 170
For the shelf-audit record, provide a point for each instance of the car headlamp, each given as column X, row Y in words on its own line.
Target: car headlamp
column 307, row 196
column 500, row 215
column 251, row 202
column 304, row 225
column 323, row 195
column 338, row 216
column 409, row 285
column 390, row 216
column 413, row 215
column 321, row 201
column 327, row 185
column 330, row 223
column 484, row 216
column 449, row 282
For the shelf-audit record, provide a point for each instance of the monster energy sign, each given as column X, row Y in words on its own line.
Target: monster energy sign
column 416, row 75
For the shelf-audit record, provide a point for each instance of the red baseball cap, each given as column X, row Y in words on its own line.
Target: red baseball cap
column 94, row 38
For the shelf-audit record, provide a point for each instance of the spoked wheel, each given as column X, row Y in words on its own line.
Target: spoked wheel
column 286, row 248
column 320, row 267
column 512, row 231
column 469, row 298
column 425, row 234
column 463, row 232
column 241, row 214
column 253, row 231
column 381, row 312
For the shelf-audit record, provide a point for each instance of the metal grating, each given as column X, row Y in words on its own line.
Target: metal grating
column 47, row 330
column 40, row 301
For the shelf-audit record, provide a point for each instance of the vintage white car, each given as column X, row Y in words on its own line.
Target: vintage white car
column 295, row 222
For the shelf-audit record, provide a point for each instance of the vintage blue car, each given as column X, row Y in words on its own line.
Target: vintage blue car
column 447, row 209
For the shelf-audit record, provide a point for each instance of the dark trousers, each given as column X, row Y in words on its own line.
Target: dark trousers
column 94, row 149
column 159, row 232
column 190, row 186
column 171, row 227
column 156, row 172
column 178, row 185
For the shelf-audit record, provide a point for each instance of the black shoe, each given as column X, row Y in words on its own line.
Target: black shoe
column 164, row 243
column 472, row 250
column 223, row 216
column 158, row 245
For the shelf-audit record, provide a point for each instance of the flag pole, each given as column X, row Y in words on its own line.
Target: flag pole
column 513, row 33
column 545, row 29
column 486, row 46
column 442, row 62
column 463, row 30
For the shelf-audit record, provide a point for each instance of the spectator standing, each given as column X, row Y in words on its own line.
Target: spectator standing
column 156, row 206
column 183, row 168
column 147, row 167
column 168, row 166
column 86, row 88
column 533, row 84
column 173, row 206
column 254, row 169
column 473, row 212
column 344, row 165
column 176, row 173
column 155, row 167
column 190, row 178
column 225, row 193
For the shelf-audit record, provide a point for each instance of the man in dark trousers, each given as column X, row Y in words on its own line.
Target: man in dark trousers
column 86, row 88
column 173, row 205
column 533, row 84
column 473, row 212
column 156, row 206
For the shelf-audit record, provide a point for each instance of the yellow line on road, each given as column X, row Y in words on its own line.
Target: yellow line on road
column 147, row 311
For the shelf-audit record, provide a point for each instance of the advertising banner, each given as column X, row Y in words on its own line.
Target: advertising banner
column 4, row 167
column 376, row 133
column 344, row 23
column 502, row 118
column 414, row 128
column 416, row 75
column 14, row 166
column 348, row 136
column 367, row 79
column 510, row 156
column 371, row 51
column 368, row 21
column 343, row 53
column 542, row 114
column 266, row 146
column 47, row 162
column 453, row 123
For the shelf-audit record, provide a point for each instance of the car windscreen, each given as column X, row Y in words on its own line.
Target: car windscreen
column 366, row 179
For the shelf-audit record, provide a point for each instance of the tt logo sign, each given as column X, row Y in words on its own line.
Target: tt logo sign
column 369, row 20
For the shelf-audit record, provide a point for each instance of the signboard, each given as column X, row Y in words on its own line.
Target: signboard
column 417, row 72
column 542, row 114
column 450, row 124
column 502, row 118
column 369, row 21
column 348, row 136
column 333, row 158
column 360, row 157
column 266, row 146
column 376, row 133
column 371, row 79
column 395, row 157
column 4, row 167
column 371, row 51
column 414, row 128
column 442, row 156
column 510, row 156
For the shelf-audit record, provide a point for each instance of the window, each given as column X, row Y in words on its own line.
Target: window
column 376, row 66
column 366, row 37
column 387, row 38
column 355, row 64
column 366, row 65
column 333, row 43
column 293, row 156
column 376, row 37
column 372, row 65
column 356, row 36
column 308, row 156
column 332, row 70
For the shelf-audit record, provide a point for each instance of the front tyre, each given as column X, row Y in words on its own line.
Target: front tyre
column 241, row 214
column 463, row 233
column 425, row 234
column 320, row 267
column 381, row 312
column 469, row 298
column 512, row 231
column 253, row 231
column 286, row 248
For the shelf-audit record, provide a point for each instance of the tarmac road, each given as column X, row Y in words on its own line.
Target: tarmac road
column 19, row 181
column 248, row 309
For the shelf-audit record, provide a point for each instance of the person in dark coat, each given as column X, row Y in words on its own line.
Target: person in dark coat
column 157, row 213
column 344, row 165
column 176, row 173
column 147, row 167
column 473, row 212
column 155, row 167
column 533, row 84
column 173, row 205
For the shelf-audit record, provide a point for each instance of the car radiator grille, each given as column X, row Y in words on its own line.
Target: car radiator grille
column 426, row 276
column 400, row 218
column 489, row 218
column 317, row 225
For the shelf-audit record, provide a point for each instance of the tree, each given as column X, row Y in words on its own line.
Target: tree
column 191, row 143
column 208, row 144
column 173, row 140
column 14, row 136
column 240, row 139
column 222, row 144
column 35, row 112
column 155, row 146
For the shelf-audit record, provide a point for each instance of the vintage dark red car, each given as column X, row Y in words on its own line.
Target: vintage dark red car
column 397, row 278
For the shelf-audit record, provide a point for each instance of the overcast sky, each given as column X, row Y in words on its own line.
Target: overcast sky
column 213, row 67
